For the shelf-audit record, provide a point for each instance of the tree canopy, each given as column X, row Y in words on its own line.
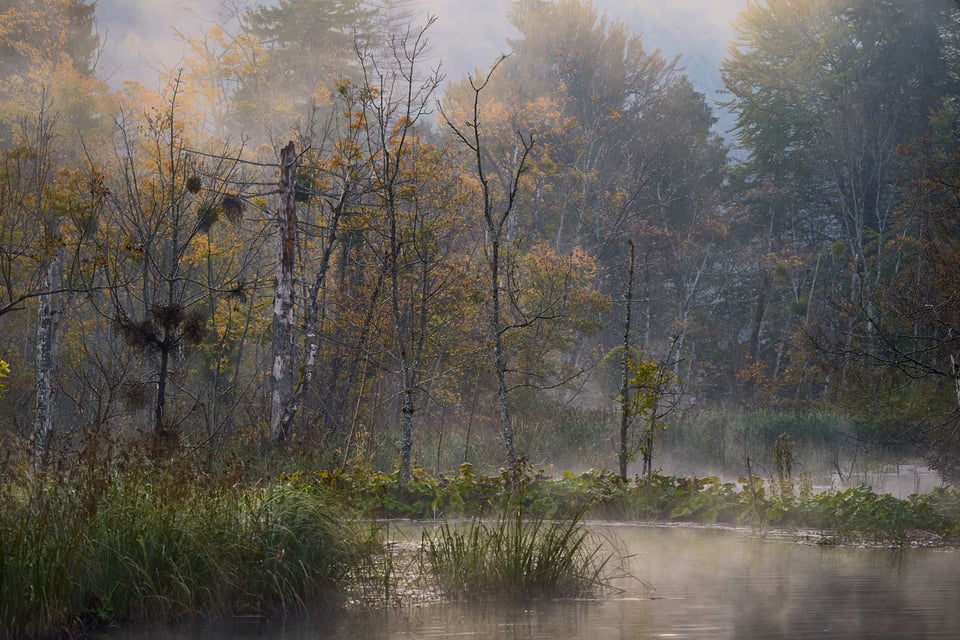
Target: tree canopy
column 428, row 283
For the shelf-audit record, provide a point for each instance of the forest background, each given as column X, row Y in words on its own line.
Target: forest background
column 310, row 240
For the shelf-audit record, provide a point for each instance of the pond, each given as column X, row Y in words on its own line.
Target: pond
column 708, row 583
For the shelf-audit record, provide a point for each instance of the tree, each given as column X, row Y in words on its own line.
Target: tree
column 604, row 88
column 624, row 454
column 624, row 151
column 47, row 223
column 50, row 309
column 906, row 340
column 824, row 93
column 397, row 97
column 283, row 302
column 392, row 19
column 497, row 207
column 657, row 394
column 48, row 50
column 215, row 70
column 163, row 204
column 305, row 47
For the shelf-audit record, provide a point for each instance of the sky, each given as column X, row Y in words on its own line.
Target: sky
column 139, row 35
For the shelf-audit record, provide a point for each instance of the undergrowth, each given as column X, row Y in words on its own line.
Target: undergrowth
column 145, row 550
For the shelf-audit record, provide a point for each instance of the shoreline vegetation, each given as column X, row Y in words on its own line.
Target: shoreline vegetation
column 144, row 543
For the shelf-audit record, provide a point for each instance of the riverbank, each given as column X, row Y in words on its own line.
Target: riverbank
column 857, row 515
column 149, row 544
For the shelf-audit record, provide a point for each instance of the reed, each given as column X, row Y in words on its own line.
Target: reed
column 150, row 551
column 515, row 556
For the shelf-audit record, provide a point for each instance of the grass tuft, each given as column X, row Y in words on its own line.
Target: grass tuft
column 516, row 556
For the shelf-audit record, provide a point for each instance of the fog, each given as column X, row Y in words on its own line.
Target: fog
column 743, row 271
column 140, row 38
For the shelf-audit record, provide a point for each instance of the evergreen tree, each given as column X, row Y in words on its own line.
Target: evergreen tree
column 308, row 47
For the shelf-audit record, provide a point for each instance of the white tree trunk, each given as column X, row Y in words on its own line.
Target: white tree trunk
column 283, row 301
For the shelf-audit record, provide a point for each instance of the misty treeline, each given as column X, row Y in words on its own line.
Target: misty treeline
column 309, row 238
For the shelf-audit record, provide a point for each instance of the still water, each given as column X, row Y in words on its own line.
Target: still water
column 708, row 583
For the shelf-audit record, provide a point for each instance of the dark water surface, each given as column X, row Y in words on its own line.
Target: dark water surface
column 708, row 583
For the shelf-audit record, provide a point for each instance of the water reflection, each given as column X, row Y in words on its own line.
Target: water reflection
column 709, row 584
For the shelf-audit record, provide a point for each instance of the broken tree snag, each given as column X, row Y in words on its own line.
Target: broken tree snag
column 283, row 301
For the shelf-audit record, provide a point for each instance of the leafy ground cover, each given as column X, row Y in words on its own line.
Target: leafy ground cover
column 853, row 515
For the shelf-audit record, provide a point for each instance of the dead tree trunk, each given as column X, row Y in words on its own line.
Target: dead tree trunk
column 47, row 325
column 49, row 303
column 283, row 301
column 625, row 371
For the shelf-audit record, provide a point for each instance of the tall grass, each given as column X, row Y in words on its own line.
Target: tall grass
column 152, row 551
column 515, row 556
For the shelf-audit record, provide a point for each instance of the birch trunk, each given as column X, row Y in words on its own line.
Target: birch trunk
column 283, row 301
column 312, row 320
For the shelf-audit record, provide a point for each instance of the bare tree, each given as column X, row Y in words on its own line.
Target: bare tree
column 160, row 213
column 397, row 99
column 497, row 210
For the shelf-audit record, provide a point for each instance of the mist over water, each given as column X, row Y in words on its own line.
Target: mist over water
column 706, row 584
